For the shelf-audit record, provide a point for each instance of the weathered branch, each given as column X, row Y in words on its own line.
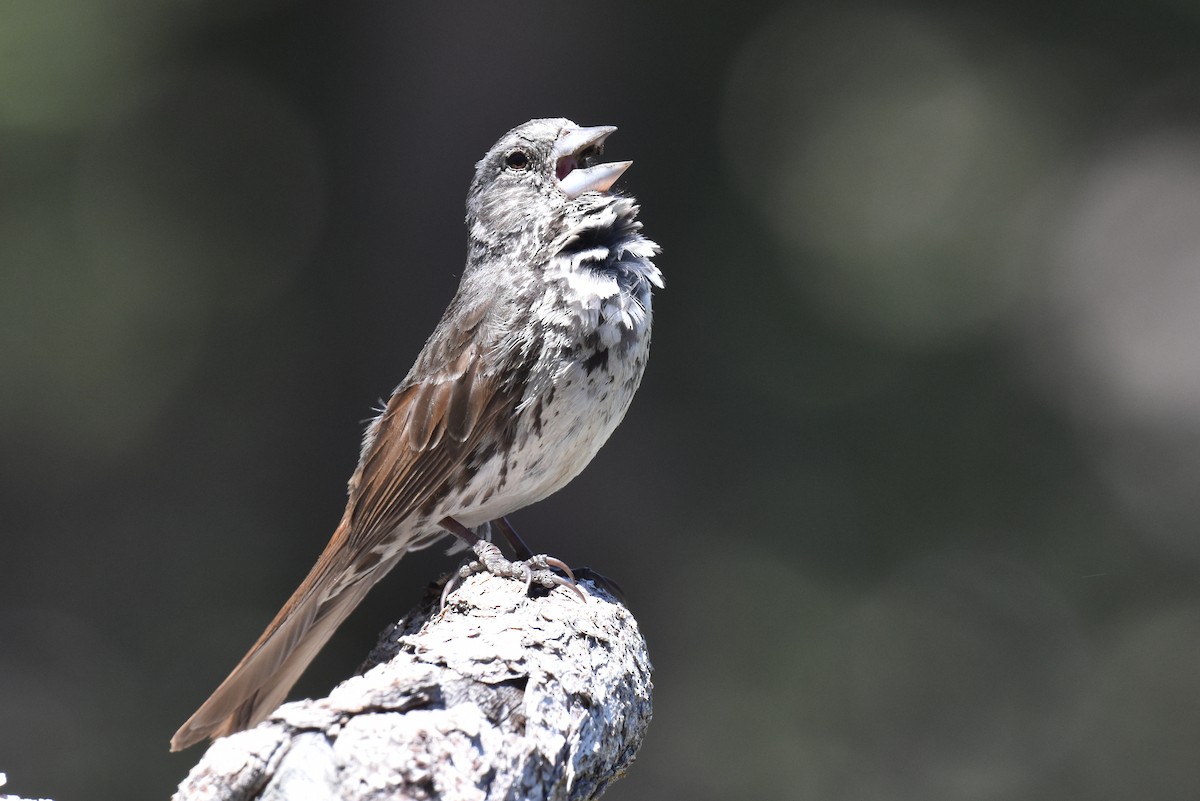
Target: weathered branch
column 3, row 781
column 499, row 696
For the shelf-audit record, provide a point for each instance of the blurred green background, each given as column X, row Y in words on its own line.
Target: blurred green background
column 907, row 506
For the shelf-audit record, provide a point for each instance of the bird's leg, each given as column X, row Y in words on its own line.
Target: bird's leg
column 514, row 540
column 523, row 551
column 533, row 568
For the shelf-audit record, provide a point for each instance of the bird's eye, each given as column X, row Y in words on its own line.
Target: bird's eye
column 517, row 160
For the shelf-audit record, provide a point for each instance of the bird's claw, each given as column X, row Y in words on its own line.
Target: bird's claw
column 538, row 569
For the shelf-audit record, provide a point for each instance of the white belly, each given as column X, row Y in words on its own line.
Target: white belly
column 553, row 446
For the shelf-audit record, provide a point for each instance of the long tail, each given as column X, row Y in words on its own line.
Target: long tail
column 267, row 672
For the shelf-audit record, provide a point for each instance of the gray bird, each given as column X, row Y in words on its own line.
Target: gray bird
column 531, row 368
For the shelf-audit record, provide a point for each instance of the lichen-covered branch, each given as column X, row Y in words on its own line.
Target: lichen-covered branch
column 501, row 695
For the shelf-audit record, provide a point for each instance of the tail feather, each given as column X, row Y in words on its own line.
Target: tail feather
column 260, row 682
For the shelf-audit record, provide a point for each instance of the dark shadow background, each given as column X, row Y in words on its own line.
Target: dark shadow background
column 907, row 505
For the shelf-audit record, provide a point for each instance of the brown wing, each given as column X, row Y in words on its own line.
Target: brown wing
column 423, row 441
column 449, row 410
column 454, row 405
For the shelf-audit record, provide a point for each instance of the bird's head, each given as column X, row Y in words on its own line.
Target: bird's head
column 538, row 175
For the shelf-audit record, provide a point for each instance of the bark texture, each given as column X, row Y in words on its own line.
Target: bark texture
column 501, row 695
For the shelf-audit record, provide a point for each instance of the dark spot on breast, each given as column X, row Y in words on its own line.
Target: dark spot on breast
column 589, row 238
column 501, row 481
column 483, row 454
column 596, row 360
column 429, row 505
column 537, row 418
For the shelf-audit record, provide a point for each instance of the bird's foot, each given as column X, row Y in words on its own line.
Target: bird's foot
column 537, row 569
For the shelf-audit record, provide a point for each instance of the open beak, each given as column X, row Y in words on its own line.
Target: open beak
column 574, row 155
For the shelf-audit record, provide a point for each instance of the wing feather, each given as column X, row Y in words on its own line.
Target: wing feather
column 399, row 474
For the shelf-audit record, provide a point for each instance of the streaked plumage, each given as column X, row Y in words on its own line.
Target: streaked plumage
column 532, row 366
